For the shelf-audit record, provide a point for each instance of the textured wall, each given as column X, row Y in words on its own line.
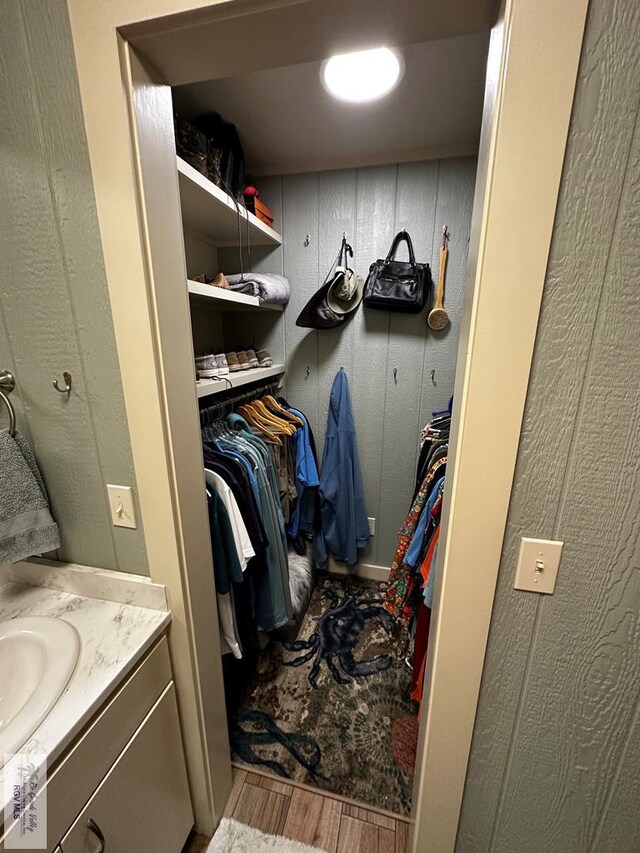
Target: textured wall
column 54, row 306
column 555, row 762
column 371, row 205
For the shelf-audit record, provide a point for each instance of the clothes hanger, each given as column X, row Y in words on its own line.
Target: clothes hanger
column 255, row 420
column 278, row 422
column 280, row 410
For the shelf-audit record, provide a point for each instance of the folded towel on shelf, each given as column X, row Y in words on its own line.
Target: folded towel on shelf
column 26, row 524
column 268, row 287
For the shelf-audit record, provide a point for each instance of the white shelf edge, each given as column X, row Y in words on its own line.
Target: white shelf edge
column 221, row 198
column 207, row 387
column 229, row 299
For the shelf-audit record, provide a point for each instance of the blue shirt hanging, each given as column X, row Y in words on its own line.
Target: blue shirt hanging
column 345, row 526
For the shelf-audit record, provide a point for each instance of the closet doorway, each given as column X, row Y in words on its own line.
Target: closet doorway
column 156, row 56
column 338, row 184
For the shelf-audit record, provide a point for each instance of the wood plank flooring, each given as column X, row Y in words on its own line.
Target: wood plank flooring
column 329, row 822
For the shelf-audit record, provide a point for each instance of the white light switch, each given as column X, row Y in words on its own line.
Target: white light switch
column 121, row 503
column 538, row 565
column 372, row 526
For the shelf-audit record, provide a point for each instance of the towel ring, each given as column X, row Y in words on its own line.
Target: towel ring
column 7, row 385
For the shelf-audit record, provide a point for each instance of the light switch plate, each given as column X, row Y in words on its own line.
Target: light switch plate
column 538, row 565
column 121, row 503
column 372, row 526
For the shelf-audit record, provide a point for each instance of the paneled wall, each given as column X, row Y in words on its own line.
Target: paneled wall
column 555, row 762
column 54, row 306
column 369, row 204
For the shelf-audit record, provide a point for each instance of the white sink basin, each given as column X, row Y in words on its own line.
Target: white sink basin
column 37, row 657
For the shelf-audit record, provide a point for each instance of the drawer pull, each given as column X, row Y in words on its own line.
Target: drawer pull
column 93, row 827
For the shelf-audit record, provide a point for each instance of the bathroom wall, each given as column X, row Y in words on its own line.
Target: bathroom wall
column 54, row 305
column 371, row 204
column 555, row 760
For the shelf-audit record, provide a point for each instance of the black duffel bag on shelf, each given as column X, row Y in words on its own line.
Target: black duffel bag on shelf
column 403, row 286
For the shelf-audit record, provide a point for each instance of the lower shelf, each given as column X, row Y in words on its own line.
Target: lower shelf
column 207, row 387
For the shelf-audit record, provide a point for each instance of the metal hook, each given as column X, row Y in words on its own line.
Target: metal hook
column 445, row 236
column 308, row 372
column 433, row 376
column 67, row 381
column 307, row 240
column 395, row 375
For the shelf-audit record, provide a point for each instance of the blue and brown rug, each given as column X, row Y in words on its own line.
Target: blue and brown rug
column 332, row 709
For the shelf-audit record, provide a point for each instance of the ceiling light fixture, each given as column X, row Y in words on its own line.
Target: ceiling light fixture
column 363, row 76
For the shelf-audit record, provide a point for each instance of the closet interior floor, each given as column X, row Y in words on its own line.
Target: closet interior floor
column 332, row 709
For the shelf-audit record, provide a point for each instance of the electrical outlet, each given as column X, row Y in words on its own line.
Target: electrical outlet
column 121, row 504
column 372, row 526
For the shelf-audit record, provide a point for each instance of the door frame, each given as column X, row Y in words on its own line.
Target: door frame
column 533, row 63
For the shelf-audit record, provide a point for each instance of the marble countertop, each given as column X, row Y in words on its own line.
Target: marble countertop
column 114, row 637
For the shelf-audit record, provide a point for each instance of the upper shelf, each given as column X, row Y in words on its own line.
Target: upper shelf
column 228, row 300
column 210, row 212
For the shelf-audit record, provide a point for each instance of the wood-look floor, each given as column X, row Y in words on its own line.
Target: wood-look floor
column 322, row 820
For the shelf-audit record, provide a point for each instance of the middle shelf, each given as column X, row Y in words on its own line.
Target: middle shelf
column 228, row 300
column 206, row 387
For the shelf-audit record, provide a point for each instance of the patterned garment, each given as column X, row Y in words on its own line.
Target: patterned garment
column 400, row 575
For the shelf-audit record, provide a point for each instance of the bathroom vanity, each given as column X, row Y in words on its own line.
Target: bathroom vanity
column 116, row 778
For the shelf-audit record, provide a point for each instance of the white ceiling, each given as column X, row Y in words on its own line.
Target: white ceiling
column 288, row 123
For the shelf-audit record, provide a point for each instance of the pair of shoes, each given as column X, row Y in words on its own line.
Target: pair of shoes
column 219, row 280
column 242, row 360
column 208, row 366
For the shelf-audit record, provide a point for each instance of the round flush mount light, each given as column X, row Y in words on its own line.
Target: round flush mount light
column 365, row 75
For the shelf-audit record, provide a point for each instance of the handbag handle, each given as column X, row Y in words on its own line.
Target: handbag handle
column 400, row 236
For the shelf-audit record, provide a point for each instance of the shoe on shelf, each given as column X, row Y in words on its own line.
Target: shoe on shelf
column 223, row 365
column 243, row 358
column 206, row 366
column 264, row 358
column 221, row 281
column 253, row 359
column 232, row 361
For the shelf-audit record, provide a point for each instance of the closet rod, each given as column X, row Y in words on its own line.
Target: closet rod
column 218, row 407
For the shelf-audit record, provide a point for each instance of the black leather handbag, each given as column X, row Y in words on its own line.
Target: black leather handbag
column 403, row 286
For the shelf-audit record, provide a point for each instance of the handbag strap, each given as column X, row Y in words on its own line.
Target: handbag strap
column 400, row 236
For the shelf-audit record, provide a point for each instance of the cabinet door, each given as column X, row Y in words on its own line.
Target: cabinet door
column 143, row 803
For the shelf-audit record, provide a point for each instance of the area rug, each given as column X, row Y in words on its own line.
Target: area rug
column 234, row 837
column 333, row 708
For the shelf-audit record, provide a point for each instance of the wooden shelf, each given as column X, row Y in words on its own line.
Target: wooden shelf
column 228, row 300
column 207, row 387
column 210, row 213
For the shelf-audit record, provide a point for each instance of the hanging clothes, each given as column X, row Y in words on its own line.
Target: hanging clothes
column 344, row 522
column 259, row 468
column 411, row 579
column 400, row 573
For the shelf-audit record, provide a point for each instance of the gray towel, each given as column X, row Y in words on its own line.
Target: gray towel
column 26, row 525
column 268, row 287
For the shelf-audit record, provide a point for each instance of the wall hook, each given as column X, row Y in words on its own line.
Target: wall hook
column 433, row 376
column 67, row 381
column 308, row 371
column 307, row 240
column 395, row 375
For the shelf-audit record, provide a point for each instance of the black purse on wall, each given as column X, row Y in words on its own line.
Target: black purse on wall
column 403, row 286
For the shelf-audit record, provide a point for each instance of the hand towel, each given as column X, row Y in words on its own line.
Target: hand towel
column 26, row 525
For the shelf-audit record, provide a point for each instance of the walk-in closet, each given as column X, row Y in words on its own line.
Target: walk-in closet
column 324, row 416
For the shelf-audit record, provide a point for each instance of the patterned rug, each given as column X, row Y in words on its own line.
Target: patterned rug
column 332, row 709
